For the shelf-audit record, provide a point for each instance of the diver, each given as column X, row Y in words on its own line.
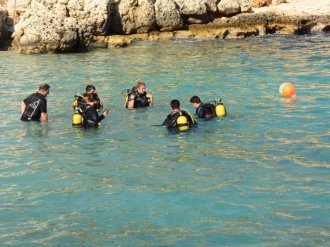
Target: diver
column 92, row 98
column 86, row 109
column 203, row 110
column 138, row 96
column 179, row 119
column 34, row 107
column 87, row 116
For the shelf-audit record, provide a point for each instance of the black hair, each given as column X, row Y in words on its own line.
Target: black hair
column 175, row 104
column 89, row 87
column 195, row 99
column 44, row 86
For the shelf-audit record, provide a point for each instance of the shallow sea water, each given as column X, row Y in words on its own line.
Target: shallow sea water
column 257, row 177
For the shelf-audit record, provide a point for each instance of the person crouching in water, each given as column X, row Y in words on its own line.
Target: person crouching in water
column 92, row 98
column 206, row 111
column 34, row 107
column 178, row 119
column 139, row 97
column 91, row 118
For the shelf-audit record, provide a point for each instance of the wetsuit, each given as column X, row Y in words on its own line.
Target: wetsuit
column 92, row 98
column 206, row 111
column 141, row 100
column 171, row 120
column 35, row 105
column 91, row 118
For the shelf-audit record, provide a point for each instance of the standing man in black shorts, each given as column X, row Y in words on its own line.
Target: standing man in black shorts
column 34, row 107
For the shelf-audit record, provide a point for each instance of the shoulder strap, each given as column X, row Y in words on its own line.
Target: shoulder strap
column 188, row 115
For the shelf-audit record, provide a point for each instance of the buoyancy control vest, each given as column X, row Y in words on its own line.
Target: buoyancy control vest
column 84, row 115
column 180, row 121
column 140, row 100
column 206, row 110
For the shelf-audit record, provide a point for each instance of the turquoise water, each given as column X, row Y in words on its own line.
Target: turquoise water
column 258, row 177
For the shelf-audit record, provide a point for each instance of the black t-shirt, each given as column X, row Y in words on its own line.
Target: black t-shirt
column 35, row 105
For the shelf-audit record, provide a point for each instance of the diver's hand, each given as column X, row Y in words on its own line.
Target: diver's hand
column 106, row 112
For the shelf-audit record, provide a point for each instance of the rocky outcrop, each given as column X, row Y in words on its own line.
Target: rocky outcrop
column 71, row 25
column 6, row 29
column 240, row 26
column 132, row 16
column 168, row 16
column 59, row 25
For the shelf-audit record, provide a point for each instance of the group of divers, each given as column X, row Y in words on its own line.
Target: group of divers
column 86, row 107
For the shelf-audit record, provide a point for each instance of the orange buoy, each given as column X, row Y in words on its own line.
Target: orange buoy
column 287, row 90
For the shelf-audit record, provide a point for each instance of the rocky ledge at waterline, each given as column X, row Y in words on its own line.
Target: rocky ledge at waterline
column 72, row 25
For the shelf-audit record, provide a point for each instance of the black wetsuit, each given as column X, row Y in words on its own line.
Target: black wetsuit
column 91, row 118
column 92, row 98
column 35, row 104
column 141, row 100
column 171, row 123
column 206, row 111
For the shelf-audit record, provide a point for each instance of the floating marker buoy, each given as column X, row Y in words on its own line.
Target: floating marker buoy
column 287, row 90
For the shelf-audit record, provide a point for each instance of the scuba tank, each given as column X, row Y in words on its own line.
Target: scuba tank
column 77, row 98
column 77, row 118
column 220, row 108
column 127, row 92
column 182, row 123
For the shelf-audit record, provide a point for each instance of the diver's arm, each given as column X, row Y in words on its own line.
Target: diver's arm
column 130, row 104
column 103, row 115
column 166, row 122
column 44, row 117
column 150, row 99
column 23, row 107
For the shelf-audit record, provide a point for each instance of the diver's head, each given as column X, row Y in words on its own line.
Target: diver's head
column 175, row 104
column 195, row 101
column 44, row 89
column 140, row 87
column 90, row 89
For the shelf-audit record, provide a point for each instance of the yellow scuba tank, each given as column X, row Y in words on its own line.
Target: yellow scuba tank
column 77, row 99
column 77, row 119
column 220, row 109
column 182, row 123
column 75, row 103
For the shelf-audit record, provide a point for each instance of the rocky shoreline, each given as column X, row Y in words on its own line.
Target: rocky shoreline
column 71, row 25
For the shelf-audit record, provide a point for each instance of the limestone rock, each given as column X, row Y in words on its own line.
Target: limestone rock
column 233, row 7
column 229, row 7
column 59, row 25
column 277, row 2
column 196, row 11
column 261, row 3
column 132, row 16
column 71, row 25
column 6, row 29
column 264, row 3
column 168, row 16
